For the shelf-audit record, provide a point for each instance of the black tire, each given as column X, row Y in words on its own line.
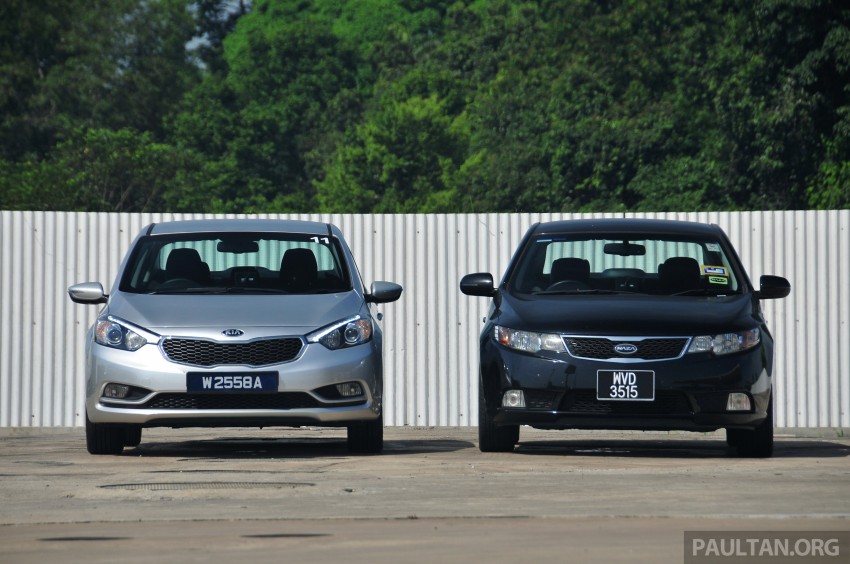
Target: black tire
column 132, row 435
column 492, row 437
column 733, row 437
column 366, row 437
column 757, row 443
column 104, row 438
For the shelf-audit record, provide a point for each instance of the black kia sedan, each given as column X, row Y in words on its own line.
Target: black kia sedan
column 626, row 324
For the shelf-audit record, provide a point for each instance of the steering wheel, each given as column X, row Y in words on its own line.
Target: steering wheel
column 569, row 284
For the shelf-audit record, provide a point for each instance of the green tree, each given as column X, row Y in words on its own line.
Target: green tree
column 402, row 160
column 71, row 63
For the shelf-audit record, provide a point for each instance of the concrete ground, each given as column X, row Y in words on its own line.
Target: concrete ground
column 297, row 495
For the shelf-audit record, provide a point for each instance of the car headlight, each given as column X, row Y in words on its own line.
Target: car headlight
column 529, row 341
column 111, row 332
column 725, row 343
column 346, row 333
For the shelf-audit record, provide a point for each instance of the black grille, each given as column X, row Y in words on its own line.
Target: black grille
column 254, row 353
column 647, row 349
column 540, row 399
column 712, row 402
column 285, row 400
column 665, row 403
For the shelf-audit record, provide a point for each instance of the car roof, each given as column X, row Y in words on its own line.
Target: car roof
column 240, row 226
column 627, row 225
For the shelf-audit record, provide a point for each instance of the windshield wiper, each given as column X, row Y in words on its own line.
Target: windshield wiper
column 252, row 290
column 239, row 290
column 192, row 290
column 705, row 292
column 216, row 290
column 579, row 291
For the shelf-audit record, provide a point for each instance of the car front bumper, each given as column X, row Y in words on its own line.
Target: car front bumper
column 162, row 399
column 560, row 391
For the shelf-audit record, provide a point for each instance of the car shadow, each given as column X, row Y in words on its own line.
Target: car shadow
column 673, row 448
column 291, row 448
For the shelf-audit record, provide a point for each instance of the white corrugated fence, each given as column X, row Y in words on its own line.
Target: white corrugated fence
column 430, row 334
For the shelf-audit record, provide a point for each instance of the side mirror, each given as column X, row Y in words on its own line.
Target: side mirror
column 88, row 293
column 773, row 287
column 478, row 284
column 384, row 292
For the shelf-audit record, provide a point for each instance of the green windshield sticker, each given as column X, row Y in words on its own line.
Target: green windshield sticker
column 718, row 280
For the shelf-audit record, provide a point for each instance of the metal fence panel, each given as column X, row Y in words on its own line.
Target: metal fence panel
column 431, row 334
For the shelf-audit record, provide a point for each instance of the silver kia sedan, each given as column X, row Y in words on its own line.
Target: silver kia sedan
column 236, row 323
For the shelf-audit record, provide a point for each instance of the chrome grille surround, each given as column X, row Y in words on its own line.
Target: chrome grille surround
column 208, row 353
column 649, row 349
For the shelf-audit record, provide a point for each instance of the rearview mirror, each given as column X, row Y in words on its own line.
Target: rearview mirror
column 625, row 249
column 237, row 246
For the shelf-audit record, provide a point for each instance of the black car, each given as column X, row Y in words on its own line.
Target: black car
column 626, row 324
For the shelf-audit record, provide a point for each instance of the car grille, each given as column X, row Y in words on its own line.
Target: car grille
column 601, row 348
column 279, row 401
column 540, row 399
column 262, row 352
column 665, row 403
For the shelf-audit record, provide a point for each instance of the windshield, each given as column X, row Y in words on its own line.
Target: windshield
column 216, row 263
column 576, row 264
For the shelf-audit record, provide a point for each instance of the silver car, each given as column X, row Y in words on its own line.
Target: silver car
column 247, row 323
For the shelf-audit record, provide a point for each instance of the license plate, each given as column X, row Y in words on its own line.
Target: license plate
column 232, row 383
column 625, row 385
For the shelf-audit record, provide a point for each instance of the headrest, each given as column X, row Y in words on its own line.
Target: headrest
column 570, row 268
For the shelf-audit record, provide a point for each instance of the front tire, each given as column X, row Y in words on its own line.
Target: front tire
column 492, row 437
column 104, row 438
column 366, row 437
column 733, row 437
column 756, row 443
column 133, row 435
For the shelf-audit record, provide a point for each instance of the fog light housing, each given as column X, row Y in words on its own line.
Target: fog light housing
column 349, row 389
column 513, row 398
column 738, row 402
column 116, row 391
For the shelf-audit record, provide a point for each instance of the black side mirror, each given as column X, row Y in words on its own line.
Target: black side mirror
column 478, row 284
column 773, row 287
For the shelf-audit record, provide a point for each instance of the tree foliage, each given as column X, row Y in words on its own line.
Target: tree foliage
column 398, row 106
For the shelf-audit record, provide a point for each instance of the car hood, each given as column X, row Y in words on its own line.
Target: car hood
column 298, row 314
column 628, row 314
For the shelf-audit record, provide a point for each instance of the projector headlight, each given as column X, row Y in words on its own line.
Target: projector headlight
column 725, row 343
column 113, row 332
column 346, row 333
column 529, row 341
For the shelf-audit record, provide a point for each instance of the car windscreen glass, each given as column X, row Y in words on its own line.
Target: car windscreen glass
column 217, row 263
column 618, row 263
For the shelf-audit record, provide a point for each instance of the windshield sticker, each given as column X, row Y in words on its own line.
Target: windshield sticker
column 712, row 247
column 718, row 280
column 718, row 270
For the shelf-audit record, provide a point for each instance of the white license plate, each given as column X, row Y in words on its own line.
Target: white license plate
column 625, row 385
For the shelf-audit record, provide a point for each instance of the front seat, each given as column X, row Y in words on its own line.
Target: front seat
column 570, row 268
column 679, row 274
column 186, row 263
column 299, row 271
